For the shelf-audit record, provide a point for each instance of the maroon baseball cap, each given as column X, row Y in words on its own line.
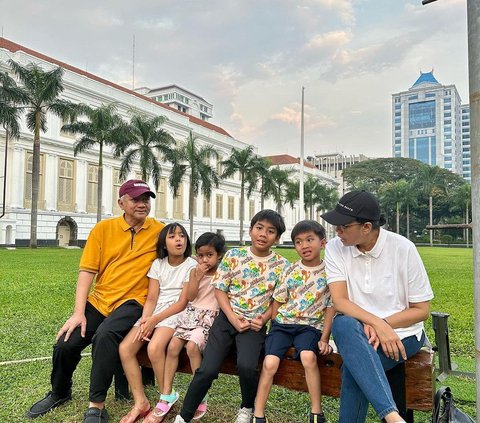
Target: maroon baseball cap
column 135, row 188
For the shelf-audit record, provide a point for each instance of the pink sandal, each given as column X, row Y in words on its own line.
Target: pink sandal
column 201, row 410
column 162, row 408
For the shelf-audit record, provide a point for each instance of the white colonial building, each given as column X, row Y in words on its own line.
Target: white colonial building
column 68, row 183
column 180, row 99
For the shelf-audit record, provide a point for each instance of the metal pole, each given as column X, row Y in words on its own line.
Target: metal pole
column 5, row 175
column 301, row 195
column 473, row 28
column 133, row 63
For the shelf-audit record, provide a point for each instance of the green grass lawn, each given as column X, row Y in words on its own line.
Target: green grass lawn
column 36, row 296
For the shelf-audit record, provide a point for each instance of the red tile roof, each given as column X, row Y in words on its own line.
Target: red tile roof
column 14, row 47
column 287, row 159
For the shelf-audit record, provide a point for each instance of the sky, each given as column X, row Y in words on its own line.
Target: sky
column 250, row 59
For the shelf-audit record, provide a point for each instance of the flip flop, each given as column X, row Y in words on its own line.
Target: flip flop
column 141, row 414
column 201, row 410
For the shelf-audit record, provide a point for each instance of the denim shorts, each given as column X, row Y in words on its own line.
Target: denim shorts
column 283, row 336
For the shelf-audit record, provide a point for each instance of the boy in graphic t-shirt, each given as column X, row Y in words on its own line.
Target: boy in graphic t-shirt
column 244, row 282
column 302, row 317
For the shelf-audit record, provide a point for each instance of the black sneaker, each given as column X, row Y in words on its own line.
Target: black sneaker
column 317, row 418
column 50, row 402
column 95, row 415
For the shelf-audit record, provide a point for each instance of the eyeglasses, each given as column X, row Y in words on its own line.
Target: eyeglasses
column 341, row 228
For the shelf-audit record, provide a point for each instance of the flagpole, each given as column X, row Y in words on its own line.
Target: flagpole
column 301, row 213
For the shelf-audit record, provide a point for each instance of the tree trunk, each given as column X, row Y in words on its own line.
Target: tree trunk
column 466, row 229
column 191, row 198
column 100, row 183
column 35, row 182
column 408, row 221
column 262, row 197
column 398, row 217
column 242, row 207
column 430, row 206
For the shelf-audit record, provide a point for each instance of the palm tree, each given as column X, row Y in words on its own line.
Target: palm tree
column 11, row 99
column 248, row 165
column 325, row 197
column 264, row 175
column 428, row 181
column 461, row 199
column 143, row 139
column 410, row 199
column 104, row 127
column 393, row 194
column 40, row 95
column 192, row 160
column 292, row 194
column 11, row 96
column 278, row 181
column 312, row 192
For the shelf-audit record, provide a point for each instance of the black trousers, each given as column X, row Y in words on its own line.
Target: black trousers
column 223, row 336
column 105, row 335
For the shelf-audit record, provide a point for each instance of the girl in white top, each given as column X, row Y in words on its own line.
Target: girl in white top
column 194, row 323
column 167, row 297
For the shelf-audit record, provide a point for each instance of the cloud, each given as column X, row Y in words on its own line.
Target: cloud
column 329, row 40
column 249, row 58
column 372, row 58
column 292, row 115
column 344, row 8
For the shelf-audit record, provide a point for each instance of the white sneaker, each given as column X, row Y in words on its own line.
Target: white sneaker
column 244, row 415
column 179, row 419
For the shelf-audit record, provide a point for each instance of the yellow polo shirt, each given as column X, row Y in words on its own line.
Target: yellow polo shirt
column 121, row 261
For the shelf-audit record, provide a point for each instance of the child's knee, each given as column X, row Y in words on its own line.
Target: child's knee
column 270, row 364
column 192, row 349
column 174, row 347
column 125, row 349
column 308, row 359
column 156, row 351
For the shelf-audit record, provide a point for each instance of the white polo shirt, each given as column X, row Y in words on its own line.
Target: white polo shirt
column 382, row 281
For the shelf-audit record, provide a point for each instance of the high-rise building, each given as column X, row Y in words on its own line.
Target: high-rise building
column 427, row 125
column 466, row 159
column 334, row 164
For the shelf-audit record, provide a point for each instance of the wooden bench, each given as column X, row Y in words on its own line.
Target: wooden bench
column 418, row 370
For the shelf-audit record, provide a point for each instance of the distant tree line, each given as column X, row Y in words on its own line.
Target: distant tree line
column 413, row 195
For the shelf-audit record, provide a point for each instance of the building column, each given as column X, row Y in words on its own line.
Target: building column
column 50, row 179
column 107, row 202
column 16, row 177
column 81, row 186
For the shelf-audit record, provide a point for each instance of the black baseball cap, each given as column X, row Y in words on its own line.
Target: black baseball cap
column 354, row 205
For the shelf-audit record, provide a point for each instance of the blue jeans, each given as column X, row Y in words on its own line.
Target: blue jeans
column 363, row 371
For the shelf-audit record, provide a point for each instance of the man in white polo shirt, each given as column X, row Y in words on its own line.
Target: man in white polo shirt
column 382, row 294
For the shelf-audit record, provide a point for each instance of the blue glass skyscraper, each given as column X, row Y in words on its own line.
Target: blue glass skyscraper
column 429, row 124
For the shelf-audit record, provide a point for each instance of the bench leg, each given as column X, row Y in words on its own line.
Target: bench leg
column 396, row 380
column 148, row 377
column 121, row 384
